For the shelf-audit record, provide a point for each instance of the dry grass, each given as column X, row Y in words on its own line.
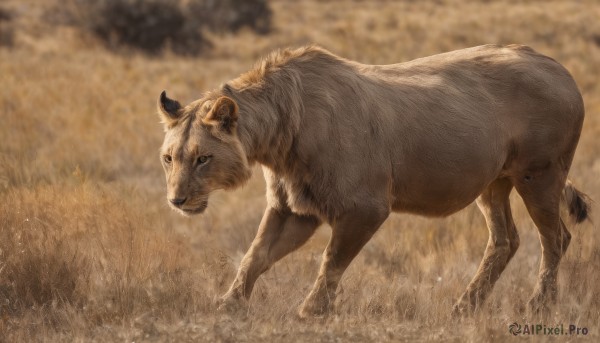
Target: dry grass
column 89, row 250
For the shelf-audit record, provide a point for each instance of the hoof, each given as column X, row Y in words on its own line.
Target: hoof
column 461, row 310
column 308, row 314
column 539, row 305
column 317, row 311
column 233, row 306
column 464, row 307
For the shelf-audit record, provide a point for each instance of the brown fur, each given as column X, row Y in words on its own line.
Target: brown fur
column 347, row 143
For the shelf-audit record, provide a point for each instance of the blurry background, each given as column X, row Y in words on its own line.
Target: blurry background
column 89, row 250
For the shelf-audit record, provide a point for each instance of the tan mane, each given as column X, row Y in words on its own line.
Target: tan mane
column 277, row 60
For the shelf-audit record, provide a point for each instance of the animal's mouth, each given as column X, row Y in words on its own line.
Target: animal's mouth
column 195, row 210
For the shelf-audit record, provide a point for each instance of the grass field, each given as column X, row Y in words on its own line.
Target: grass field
column 90, row 251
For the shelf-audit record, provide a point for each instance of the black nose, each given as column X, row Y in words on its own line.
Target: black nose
column 177, row 201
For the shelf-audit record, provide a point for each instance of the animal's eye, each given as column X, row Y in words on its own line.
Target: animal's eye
column 203, row 159
column 168, row 159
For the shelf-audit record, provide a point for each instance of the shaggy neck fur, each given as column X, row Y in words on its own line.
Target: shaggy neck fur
column 263, row 128
column 272, row 99
column 270, row 111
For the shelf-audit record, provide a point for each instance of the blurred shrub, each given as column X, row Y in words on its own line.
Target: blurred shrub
column 7, row 32
column 232, row 15
column 153, row 25
column 5, row 15
column 148, row 25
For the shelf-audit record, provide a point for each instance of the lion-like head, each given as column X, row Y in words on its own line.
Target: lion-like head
column 201, row 151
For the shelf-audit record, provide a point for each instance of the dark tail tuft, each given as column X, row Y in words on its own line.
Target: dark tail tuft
column 578, row 203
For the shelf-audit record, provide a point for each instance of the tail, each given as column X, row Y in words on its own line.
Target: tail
column 578, row 203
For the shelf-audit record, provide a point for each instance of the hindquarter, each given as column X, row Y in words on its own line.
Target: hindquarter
column 454, row 144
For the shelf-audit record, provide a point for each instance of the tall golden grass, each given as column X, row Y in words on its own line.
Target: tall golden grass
column 89, row 251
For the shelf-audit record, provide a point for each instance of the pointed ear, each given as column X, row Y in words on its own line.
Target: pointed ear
column 168, row 109
column 223, row 114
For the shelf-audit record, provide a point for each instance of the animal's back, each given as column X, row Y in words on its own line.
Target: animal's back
column 443, row 127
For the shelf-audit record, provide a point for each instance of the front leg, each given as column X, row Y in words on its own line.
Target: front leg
column 280, row 232
column 350, row 232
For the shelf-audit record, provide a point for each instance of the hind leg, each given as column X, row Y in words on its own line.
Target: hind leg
column 502, row 244
column 541, row 194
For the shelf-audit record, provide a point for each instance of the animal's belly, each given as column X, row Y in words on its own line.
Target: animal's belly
column 442, row 191
column 434, row 205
